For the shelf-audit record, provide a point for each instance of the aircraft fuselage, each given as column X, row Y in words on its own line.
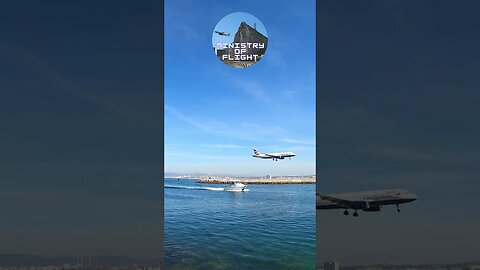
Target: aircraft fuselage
column 369, row 201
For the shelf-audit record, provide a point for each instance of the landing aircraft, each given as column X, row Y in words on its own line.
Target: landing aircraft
column 222, row 33
column 273, row 156
column 368, row 201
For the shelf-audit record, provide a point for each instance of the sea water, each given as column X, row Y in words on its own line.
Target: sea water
column 268, row 227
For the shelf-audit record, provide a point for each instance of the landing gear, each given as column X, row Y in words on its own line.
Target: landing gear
column 346, row 213
column 398, row 208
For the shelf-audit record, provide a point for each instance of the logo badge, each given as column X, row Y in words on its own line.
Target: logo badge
column 239, row 40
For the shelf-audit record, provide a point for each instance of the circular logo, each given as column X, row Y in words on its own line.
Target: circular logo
column 239, row 40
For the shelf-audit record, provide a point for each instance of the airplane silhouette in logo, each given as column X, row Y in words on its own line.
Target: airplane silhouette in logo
column 222, row 33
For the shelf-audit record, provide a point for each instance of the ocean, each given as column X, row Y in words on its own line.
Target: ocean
column 270, row 227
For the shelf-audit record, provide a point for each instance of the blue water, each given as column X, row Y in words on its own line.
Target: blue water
column 268, row 227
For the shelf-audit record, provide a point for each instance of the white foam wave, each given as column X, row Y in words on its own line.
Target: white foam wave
column 195, row 187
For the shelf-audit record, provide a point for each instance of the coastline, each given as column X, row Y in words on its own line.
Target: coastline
column 258, row 180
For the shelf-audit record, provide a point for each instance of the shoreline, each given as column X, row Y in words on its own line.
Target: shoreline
column 261, row 181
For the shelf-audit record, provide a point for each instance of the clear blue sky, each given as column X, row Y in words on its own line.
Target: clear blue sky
column 216, row 114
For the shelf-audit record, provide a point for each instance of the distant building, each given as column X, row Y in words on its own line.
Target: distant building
column 331, row 265
column 269, row 176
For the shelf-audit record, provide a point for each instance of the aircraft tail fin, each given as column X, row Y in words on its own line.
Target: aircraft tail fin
column 255, row 151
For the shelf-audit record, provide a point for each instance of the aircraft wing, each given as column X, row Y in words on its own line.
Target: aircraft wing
column 336, row 200
column 354, row 203
column 368, row 200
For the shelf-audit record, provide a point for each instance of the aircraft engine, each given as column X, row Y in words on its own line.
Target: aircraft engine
column 375, row 208
column 360, row 205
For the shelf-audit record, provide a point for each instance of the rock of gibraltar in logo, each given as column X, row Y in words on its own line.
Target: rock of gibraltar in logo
column 239, row 40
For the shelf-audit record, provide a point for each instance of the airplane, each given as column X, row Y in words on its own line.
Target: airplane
column 273, row 156
column 368, row 201
column 222, row 33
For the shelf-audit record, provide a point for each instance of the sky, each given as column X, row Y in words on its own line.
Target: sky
column 397, row 107
column 81, row 128
column 215, row 114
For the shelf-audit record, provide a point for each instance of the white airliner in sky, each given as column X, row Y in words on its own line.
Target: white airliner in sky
column 274, row 156
column 369, row 201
